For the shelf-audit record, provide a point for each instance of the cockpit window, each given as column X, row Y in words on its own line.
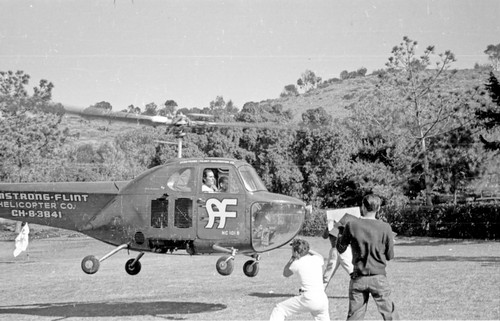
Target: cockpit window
column 182, row 180
column 219, row 180
column 251, row 180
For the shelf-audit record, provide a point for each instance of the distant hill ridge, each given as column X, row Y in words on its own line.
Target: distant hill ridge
column 334, row 97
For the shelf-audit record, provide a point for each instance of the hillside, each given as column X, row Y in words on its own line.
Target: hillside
column 336, row 96
column 94, row 131
column 333, row 97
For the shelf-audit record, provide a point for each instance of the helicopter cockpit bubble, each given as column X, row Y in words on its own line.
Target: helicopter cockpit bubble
column 274, row 224
column 252, row 181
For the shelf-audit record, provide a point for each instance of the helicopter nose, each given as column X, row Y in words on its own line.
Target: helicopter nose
column 275, row 224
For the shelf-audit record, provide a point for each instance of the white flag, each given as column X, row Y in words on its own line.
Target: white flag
column 22, row 240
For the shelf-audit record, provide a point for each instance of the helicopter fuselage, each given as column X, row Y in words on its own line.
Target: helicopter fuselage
column 164, row 209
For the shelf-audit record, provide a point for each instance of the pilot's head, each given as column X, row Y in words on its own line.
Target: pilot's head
column 208, row 177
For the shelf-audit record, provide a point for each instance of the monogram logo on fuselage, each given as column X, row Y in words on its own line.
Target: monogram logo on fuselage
column 216, row 208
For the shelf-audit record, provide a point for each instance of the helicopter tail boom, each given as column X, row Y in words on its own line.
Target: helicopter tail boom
column 63, row 205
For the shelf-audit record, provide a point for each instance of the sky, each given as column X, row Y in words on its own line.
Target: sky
column 191, row 51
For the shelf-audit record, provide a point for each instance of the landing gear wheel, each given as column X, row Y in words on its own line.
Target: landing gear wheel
column 251, row 268
column 225, row 265
column 132, row 269
column 90, row 264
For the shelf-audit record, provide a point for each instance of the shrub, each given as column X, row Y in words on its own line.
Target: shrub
column 463, row 221
column 483, row 67
column 472, row 220
column 348, row 96
column 379, row 72
column 314, row 224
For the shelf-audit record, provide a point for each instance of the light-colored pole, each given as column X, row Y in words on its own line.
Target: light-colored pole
column 179, row 147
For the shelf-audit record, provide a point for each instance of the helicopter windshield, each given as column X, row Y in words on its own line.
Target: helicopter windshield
column 251, row 180
column 274, row 223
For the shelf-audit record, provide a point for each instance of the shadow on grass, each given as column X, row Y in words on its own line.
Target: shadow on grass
column 17, row 262
column 488, row 260
column 112, row 309
column 272, row 295
column 286, row 295
column 429, row 241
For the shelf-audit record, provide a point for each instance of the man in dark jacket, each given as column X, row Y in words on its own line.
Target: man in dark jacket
column 372, row 244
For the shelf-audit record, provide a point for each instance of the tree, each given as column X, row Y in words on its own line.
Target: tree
column 102, row 105
column 30, row 138
column 308, row 81
column 133, row 110
column 493, row 52
column 489, row 112
column 221, row 110
column 273, row 158
column 261, row 113
column 323, row 156
column 231, row 108
column 289, row 90
column 13, row 84
column 250, row 113
column 361, row 71
column 217, row 104
column 169, row 109
column 225, row 114
column 150, row 109
column 455, row 159
column 139, row 147
column 44, row 90
column 317, row 117
column 412, row 104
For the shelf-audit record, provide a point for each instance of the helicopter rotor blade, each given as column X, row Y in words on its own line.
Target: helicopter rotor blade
column 267, row 125
column 178, row 121
column 92, row 112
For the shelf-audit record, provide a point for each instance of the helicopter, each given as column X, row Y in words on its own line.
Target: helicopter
column 165, row 209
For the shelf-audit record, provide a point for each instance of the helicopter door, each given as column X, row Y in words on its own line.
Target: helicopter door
column 174, row 211
column 221, row 204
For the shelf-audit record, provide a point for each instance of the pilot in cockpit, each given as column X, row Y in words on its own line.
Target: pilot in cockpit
column 209, row 182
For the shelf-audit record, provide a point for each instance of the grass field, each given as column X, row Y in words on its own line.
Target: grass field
column 432, row 279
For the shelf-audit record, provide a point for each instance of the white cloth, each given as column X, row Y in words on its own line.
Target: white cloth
column 313, row 298
column 334, row 261
column 316, row 304
column 309, row 270
column 208, row 189
column 22, row 240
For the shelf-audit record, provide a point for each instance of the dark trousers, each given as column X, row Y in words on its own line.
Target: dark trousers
column 360, row 289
